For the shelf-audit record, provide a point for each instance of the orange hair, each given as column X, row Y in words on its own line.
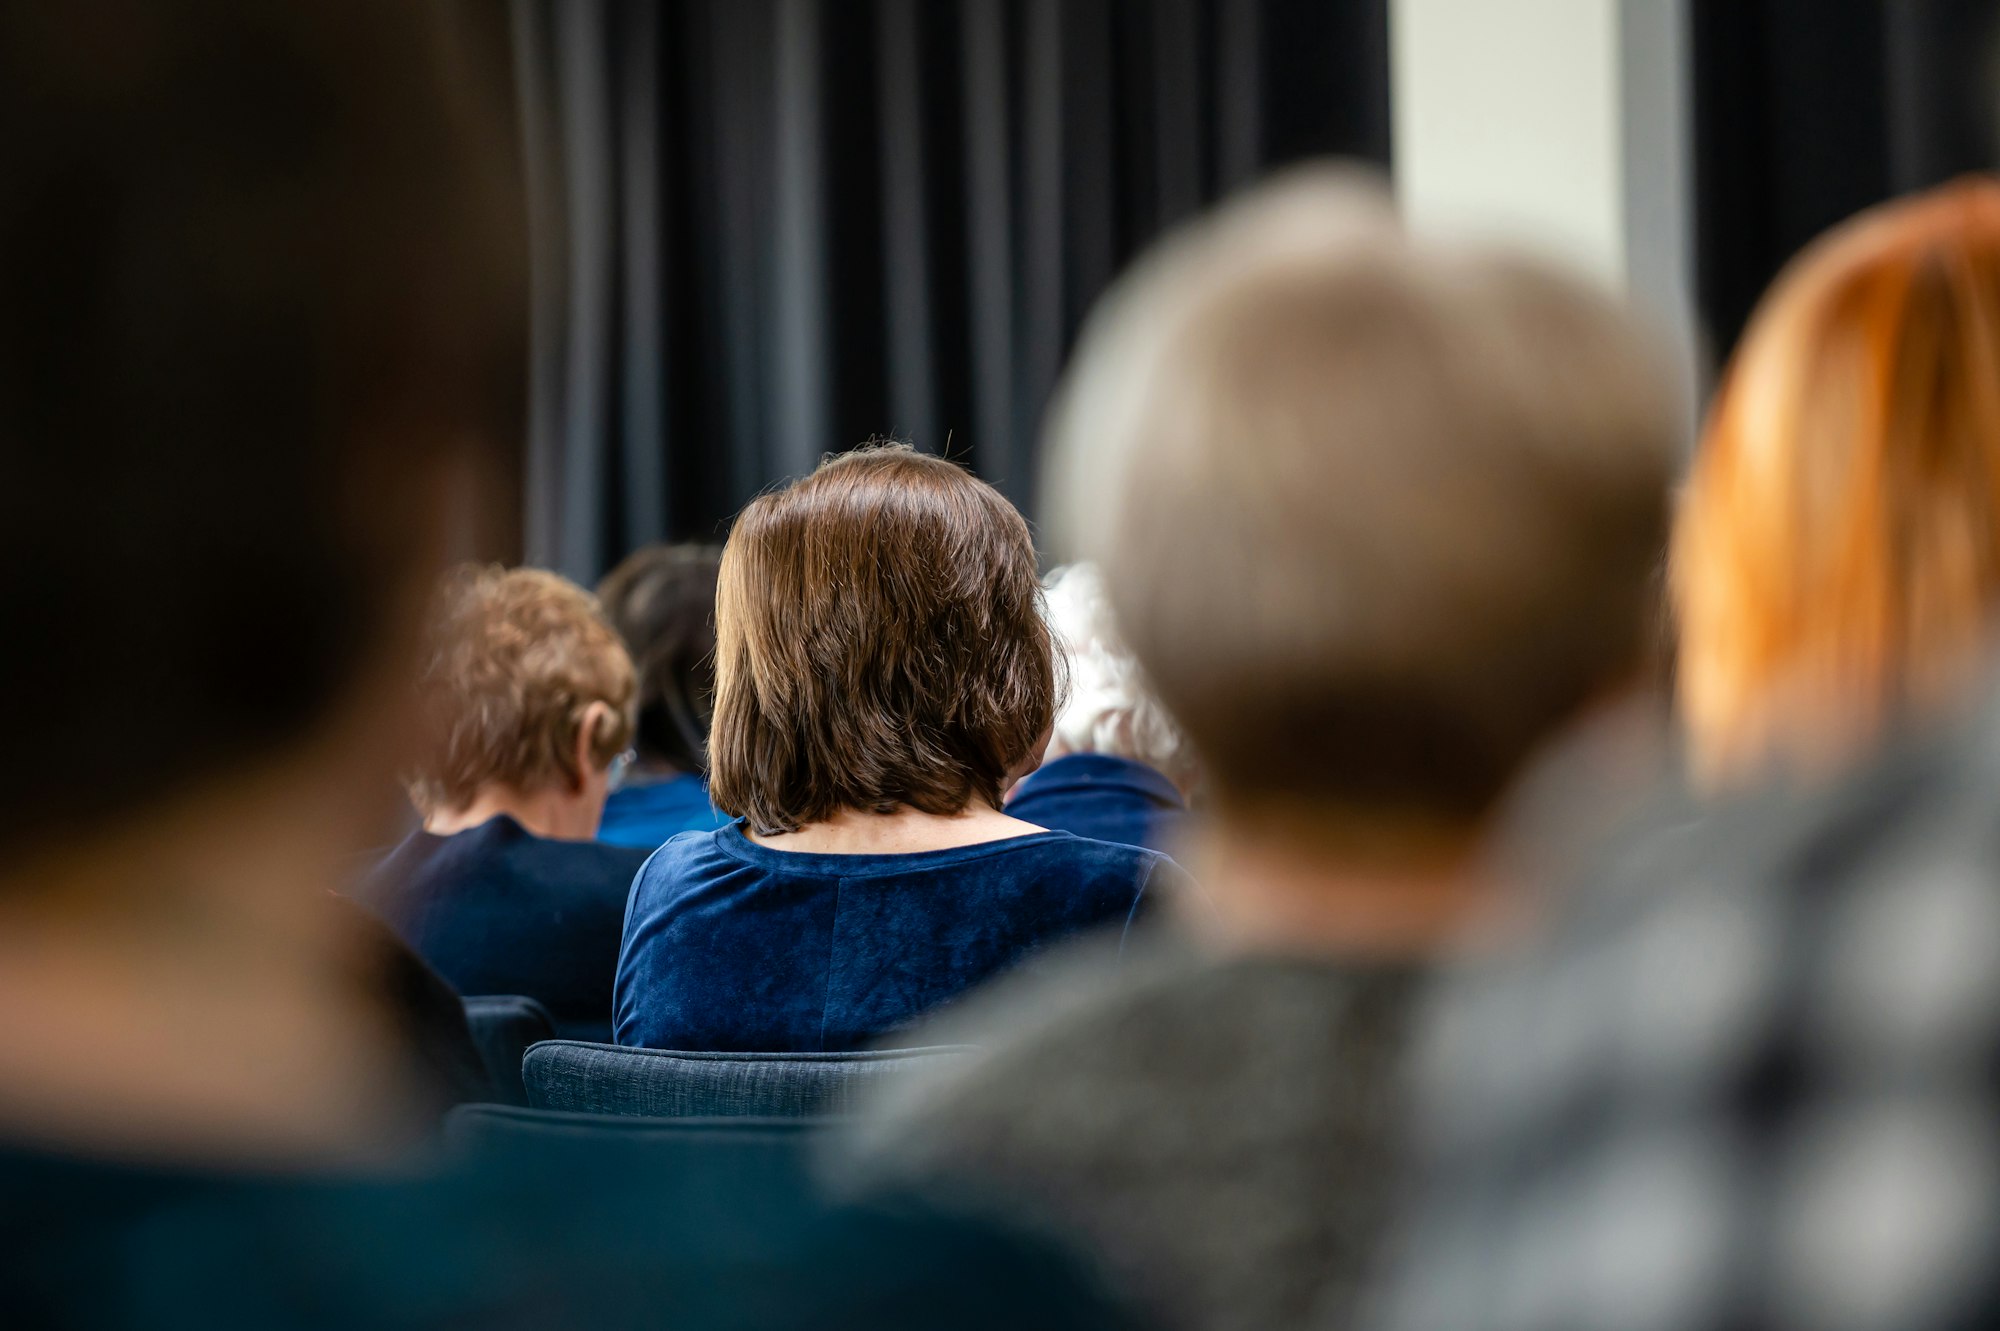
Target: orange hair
column 1836, row 556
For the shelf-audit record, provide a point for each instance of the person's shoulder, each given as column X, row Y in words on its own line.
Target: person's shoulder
column 503, row 839
column 573, row 1228
column 1109, row 857
column 688, row 857
column 1023, row 1032
column 414, row 864
column 1151, row 875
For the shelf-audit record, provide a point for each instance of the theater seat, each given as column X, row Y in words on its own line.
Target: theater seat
column 503, row 1026
column 741, row 1176
column 481, row 1126
column 608, row 1079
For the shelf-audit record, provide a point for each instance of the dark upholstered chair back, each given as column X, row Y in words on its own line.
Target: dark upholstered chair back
column 482, row 1126
column 606, row 1079
column 503, row 1026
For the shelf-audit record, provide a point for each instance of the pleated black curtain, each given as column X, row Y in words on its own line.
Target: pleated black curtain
column 766, row 229
column 1808, row 110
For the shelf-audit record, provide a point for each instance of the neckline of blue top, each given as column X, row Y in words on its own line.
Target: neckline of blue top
column 732, row 841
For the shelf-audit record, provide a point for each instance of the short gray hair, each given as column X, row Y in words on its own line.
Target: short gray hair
column 1109, row 709
column 1375, row 513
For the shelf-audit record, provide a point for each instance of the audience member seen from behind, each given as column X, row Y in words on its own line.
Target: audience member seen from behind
column 1431, row 489
column 503, row 889
column 661, row 600
column 1754, row 1086
column 883, row 671
column 262, row 314
column 1836, row 559
column 1117, row 768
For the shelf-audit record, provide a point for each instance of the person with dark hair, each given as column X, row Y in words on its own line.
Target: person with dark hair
column 259, row 297
column 260, row 317
column 661, row 599
column 528, row 694
column 883, row 673
column 1430, row 484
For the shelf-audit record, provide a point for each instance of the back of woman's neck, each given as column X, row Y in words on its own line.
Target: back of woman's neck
column 552, row 814
column 902, row 831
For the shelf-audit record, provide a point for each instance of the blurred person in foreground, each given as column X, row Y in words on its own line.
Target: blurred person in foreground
column 883, row 673
column 1836, row 557
column 260, row 312
column 1116, row 768
column 661, row 599
column 504, row 890
column 1754, row 1084
column 1429, row 485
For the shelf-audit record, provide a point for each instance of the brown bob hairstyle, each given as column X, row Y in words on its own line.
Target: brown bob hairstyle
column 879, row 643
column 1836, row 556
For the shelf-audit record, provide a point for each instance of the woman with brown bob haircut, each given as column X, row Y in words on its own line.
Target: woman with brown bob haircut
column 883, row 674
column 1837, row 552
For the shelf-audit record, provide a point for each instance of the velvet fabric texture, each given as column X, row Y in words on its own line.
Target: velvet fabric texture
column 646, row 813
column 1102, row 797
column 731, row 945
column 498, row 910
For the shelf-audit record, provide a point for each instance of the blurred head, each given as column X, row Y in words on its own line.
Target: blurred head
column 1109, row 708
column 879, row 645
column 258, row 320
column 662, row 602
column 1837, row 551
column 1381, row 515
column 529, row 690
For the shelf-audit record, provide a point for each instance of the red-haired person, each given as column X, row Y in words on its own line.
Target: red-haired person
column 1836, row 557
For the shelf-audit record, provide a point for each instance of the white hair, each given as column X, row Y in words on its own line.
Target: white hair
column 1109, row 708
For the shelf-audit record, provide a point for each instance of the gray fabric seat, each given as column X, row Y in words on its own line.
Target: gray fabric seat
column 503, row 1027
column 607, row 1079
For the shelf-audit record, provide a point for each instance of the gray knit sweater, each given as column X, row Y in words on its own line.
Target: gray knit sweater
column 1220, row 1132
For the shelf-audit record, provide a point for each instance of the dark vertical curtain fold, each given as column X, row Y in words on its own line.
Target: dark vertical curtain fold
column 766, row 229
column 1807, row 111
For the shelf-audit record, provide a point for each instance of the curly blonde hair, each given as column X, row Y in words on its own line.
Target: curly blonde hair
column 515, row 660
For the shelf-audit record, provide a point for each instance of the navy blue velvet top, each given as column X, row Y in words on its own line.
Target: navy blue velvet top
column 498, row 910
column 1109, row 799
column 730, row 945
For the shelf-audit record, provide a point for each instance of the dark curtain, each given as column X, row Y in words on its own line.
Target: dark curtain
column 1809, row 110
column 767, row 229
